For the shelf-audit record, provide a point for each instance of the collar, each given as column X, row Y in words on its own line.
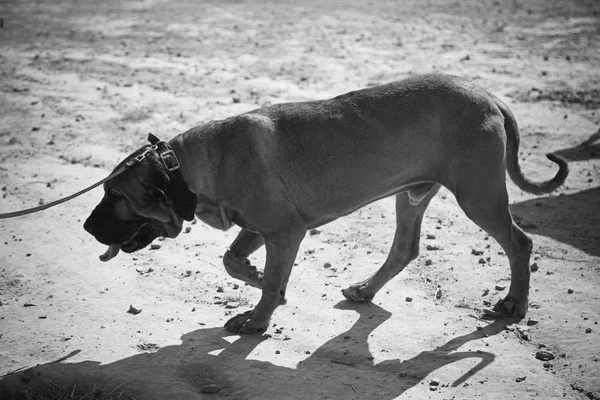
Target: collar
column 166, row 154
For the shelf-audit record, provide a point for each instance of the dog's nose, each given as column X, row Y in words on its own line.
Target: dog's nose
column 88, row 225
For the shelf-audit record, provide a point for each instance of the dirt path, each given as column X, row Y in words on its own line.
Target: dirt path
column 81, row 85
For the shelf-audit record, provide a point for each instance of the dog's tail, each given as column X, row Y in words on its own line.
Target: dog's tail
column 512, row 159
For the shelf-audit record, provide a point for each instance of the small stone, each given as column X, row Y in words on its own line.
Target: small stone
column 544, row 355
column 500, row 287
column 476, row 252
column 547, row 365
column 532, row 322
column 588, row 330
column 232, row 304
column 433, row 246
column 534, row 267
column 188, row 229
column 409, row 299
column 485, row 292
column 434, row 382
column 487, row 303
column 314, row 231
column 133, row 310
column 520, row 378
column 428, row 262
column 277, row 352
column 430, row 237
column 438, row 294
column 570, row 291
column 154, row 246
column 327, row 265
column 220, row 289
column 482, row 261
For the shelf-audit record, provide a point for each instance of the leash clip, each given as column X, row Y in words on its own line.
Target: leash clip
column 140, row 157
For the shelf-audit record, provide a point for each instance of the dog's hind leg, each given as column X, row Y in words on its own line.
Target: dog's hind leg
column 410, row 207
column 236, row 260
column 485, row 202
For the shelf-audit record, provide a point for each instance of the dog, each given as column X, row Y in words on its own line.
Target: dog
column 282, row 170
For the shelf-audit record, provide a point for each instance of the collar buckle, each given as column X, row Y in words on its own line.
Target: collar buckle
column 170, row 160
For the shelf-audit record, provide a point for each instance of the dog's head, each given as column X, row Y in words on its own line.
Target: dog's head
column 140, row 204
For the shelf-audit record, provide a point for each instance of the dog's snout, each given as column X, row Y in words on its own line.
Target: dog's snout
column 88, row 226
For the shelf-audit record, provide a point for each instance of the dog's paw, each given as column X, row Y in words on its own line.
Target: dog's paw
column 358, row 293
column 512, row 306
column 242, row 323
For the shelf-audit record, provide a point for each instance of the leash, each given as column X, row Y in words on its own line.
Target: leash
column 64, row 199
column 166, row 155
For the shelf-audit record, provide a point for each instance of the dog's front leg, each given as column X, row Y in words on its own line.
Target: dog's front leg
column 236, row 260
column 281, row 253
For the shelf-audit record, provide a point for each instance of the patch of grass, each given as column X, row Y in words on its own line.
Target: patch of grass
column 49, row 390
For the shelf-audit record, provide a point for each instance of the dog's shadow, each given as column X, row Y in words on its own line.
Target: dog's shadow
column 589, row 149
column 207, row 360
column 573, row 219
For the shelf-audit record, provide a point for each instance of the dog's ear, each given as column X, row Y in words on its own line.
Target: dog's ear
column 182, row 199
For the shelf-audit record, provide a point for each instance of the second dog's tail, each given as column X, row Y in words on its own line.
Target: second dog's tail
column 512, row 159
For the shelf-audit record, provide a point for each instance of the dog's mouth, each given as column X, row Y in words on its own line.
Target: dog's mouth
column 145, row 234
column 141, row 238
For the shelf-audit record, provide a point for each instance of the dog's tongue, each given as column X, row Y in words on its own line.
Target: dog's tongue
column 111, row 252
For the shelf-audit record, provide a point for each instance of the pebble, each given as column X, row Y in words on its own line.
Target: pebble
column 428, row 262
column 433, row 246
column 430, row 237
column 314, row 231
column 434, row 382
column 232, row 304
column 476, row 252
column 438, row 294
column 154, row 246
column 570, row 291
column 544, row 355
column 534, row 267
column 409, row 299
column 133, row 310
column 481, row 261
column 588, row 330
column 188, row 229
column 327, row 265
column 521, row 378
column 500, row 287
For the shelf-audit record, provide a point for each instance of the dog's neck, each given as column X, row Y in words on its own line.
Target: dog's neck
column 196, row 167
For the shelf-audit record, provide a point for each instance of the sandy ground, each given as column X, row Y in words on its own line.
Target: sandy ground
column 81, row 85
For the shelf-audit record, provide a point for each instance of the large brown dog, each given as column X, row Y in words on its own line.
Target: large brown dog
column 281, row 170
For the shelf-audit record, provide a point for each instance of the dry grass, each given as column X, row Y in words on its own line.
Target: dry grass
column 52, row 391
